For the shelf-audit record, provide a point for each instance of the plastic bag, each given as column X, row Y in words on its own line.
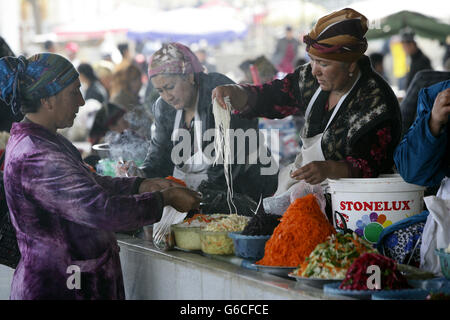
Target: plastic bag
column 279, row 204
column 162, row 234
column 302, row 188
column 436, row 233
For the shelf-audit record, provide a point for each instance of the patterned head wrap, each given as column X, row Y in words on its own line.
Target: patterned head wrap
column 40, row 76
column 174, row 58
column 338, row 36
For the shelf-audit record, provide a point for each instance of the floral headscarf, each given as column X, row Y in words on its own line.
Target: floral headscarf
column 174, row 58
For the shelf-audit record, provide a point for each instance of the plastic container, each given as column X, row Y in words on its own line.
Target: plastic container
column 249, row 247
column 444, row 260
column 367, row 206
column 216, row 242
column 106, row 167
column 187, row 238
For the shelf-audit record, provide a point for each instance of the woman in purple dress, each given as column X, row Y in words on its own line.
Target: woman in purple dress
column 64, row 214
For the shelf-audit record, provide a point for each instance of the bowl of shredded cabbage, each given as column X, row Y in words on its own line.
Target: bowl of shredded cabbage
column 214, row 236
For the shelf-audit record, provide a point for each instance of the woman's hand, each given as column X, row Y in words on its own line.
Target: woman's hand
column 182, row 199
column 238, row 96
column 317, row 171
column 440, row 112
column 156, row 184
column 313, row 173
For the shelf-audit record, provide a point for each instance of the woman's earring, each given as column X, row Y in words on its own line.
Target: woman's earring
column 350, row 74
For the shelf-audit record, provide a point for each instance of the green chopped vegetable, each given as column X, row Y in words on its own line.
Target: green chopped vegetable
column 332, row 258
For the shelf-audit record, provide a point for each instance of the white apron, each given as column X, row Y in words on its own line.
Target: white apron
column 194, row 170
column 311, row 149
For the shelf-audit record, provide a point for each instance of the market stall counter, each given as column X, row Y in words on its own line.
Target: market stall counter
column 175, row 275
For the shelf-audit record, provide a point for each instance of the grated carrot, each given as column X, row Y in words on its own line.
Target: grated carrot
column 302, row 227
column 179, row 181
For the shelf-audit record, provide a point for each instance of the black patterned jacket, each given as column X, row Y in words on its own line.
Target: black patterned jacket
column 365, row 130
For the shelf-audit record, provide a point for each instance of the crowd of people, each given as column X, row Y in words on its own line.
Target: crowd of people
column 351, row 127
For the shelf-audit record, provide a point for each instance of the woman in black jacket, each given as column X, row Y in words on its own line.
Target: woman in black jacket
column 183, row 115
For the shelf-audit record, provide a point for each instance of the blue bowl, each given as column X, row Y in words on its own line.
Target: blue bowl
column 248, row 247
column 434, row 284
column 405, row 294
column 332, row 289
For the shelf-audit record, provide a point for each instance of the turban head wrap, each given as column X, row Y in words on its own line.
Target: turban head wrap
column 338, row 36
column 40, row 76
column 174, row 58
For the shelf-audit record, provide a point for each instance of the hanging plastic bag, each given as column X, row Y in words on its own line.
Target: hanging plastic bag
column 162, row 235
column 277, row 204
column 436, row 233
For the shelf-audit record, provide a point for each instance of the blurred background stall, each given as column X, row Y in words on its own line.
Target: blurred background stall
column 230, row 37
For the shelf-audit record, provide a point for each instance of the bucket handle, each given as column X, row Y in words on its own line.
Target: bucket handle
column 344, row 229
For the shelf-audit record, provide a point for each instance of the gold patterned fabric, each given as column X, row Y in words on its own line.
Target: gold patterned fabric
column 338, row 36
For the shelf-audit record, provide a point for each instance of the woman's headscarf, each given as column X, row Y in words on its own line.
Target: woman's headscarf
column 174, row 58
column 40, row 76
column 338, row 36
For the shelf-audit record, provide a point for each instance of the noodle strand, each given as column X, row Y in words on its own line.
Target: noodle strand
column 222, row 118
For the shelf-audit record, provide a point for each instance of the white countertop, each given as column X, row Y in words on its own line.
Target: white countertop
column 177, row 275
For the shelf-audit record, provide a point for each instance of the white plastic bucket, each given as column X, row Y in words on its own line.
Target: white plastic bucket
column 369, row 205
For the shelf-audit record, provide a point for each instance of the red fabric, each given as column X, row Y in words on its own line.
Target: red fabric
column 286, row 65
column 378, row 152
column 255, row 74
column 361, row 167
